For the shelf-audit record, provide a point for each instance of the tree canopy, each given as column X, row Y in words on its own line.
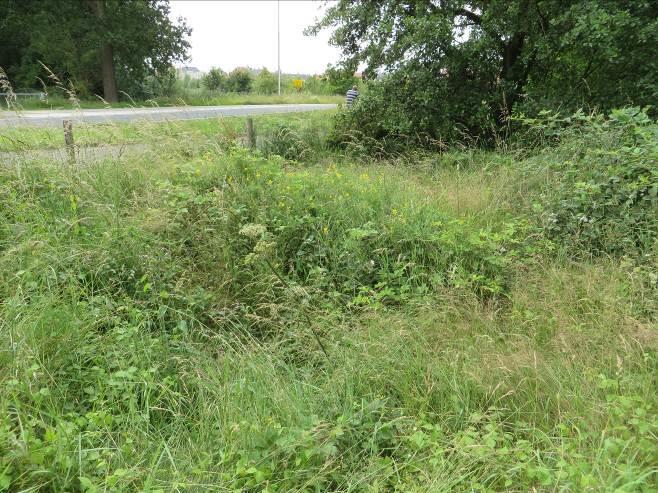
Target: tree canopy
column 101, row 46
column 474, row 62
column 239, row 80
column 265, row 82
column 215, row 79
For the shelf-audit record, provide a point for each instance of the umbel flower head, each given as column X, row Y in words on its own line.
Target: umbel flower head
column 264, row 247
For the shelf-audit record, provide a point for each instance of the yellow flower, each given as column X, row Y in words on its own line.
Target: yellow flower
column 325, row 229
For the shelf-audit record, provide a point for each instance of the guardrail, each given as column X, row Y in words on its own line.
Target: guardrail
column 40, row 95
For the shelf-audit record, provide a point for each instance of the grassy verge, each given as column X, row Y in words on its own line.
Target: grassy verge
column 20, row 138
column 202, row 318
column 55, row 103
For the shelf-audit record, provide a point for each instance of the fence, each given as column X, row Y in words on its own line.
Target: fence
column 14, row 95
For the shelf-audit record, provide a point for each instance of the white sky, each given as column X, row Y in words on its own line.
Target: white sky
column 229, row 34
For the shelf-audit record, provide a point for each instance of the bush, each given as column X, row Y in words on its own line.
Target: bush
column 339, row 80
column 159, row 85
column 265, row 82
column 331, row 231
column 215, row 79
column 603, row 196
column 239, row 80
column 402, row 111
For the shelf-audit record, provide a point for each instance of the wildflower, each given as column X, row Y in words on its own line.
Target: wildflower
column 325, row 230
column 253, row 230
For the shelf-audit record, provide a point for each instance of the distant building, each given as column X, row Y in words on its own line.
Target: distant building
column 191, row 72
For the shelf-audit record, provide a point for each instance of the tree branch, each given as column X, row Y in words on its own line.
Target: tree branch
column 471, row 16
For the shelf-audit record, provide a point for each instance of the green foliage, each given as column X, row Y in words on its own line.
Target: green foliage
column 215, row 79
column 160, row 316
column 464, row 67
column 341, row 236
column 339, row 80
column 265, row 82
column 66, row 37
column 392, row 115
column 157, row 86
column 239, row 80
column 604, row 197
column 286, row 142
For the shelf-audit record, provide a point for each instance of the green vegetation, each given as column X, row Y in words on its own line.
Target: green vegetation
column 265, row 82
column 152, row 133
column 449, row 286
column 443, row 71
column 209, row 99
column 208, row 318
column 95, row 47
column 123, row 53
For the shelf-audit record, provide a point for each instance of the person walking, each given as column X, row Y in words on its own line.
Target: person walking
column 351, row 96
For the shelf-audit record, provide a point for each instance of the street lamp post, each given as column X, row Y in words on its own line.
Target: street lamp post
column 278, row 41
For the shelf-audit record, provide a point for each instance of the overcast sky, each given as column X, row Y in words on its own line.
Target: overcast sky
column 229, row 34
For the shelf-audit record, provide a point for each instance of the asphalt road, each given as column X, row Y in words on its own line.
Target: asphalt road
column 47, row 118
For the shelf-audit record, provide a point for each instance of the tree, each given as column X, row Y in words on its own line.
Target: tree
column 265, row 82
column 110, row 90
column 340, row 79
column 239, row 80
column 215, row 79
column 99, row 46
column 472, row 63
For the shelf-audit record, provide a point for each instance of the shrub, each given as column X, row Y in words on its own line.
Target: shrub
column 331, row 230
column 603, row 195
column 339, row 80
column 400, row 111
column 215, row 79
column 239, row 80
column 265, row 82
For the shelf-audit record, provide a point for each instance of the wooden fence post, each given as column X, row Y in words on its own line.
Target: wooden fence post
column 68, row 140
column 251, row 133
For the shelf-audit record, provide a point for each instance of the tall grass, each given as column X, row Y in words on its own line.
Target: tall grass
column 163, row 317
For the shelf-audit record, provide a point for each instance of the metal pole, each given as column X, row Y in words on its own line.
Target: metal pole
column 278, row 41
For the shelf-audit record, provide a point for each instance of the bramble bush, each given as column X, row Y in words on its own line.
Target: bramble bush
column 331, row 230
column 602, row 197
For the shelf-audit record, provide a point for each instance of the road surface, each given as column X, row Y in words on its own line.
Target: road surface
column 46, row 118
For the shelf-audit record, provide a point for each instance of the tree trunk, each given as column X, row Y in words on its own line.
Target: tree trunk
column 512, row 75
column 110, row 93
